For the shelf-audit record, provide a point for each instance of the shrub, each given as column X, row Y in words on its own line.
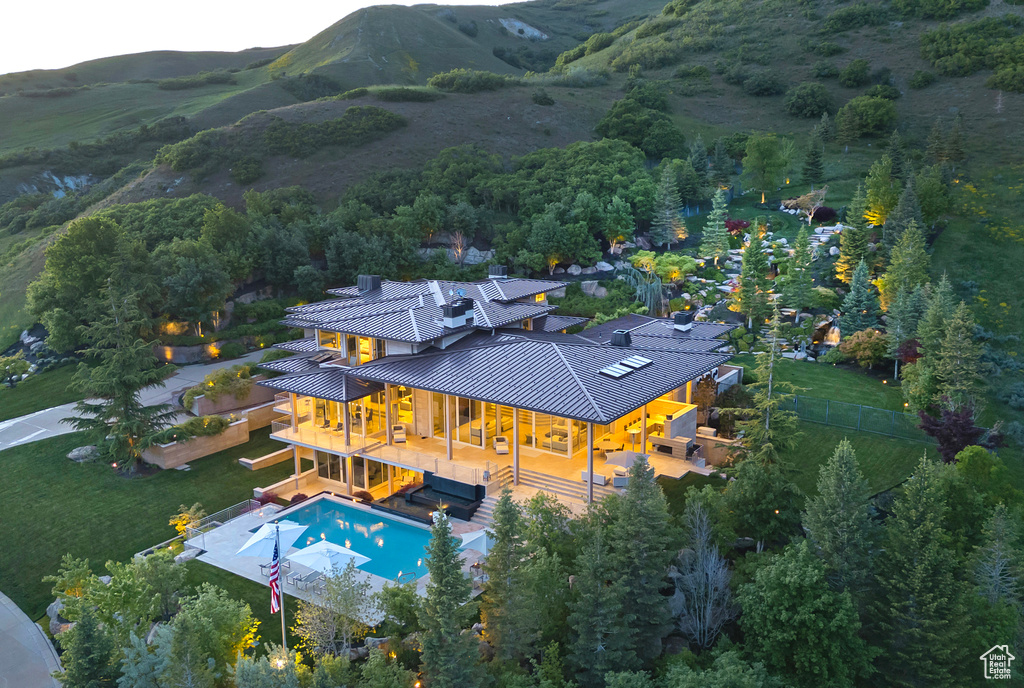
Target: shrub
column 402, row 94
column 867, row 347
column 363, row 496
column 921, row 79
column 469, row 81
column 247, row 169
column 1008, row 79
column 187, row 517
column 235, row 381
column 541, row 97
column 265, row 498
column 275, row 355
column 826, row 298
column 650, row 54
column 306, row 87
column 883, row 91
column 825, row 214
column 650, row 96
column 826, row 48
column 598, row 42
column 736, row 75
column 359, row 125
column 937, row 9
column 857, row 73
column 181, row 83
column 763, row 84
column 835, row 355
column 297, row 498
column 809, row 99
column 693, row 72
column 656, row 27
column 354, row 93
column 571, row 55
column 468, row 28
column 736, row 226
column 825, row 69
column 231, row 350
column 865, row 115
column 855, row 17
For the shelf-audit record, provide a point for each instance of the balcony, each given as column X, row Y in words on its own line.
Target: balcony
column 310, row 435
column 283, row 403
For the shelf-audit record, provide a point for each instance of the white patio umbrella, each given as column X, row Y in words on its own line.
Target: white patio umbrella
column 261, row 544
column 623, row 459
column 480, row 540
column 326, row 556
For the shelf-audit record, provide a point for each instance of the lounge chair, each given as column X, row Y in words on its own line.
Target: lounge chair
column 398, row 433
column 501, row 445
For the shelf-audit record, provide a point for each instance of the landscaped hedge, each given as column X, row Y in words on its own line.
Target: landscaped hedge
column 200, row 426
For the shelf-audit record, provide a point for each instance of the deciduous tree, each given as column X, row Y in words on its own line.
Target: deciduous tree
column 764, row 163
column 703, row 580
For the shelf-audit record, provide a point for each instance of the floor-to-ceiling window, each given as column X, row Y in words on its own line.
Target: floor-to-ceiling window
column 437, row 413
column 375, row 420
column 329, row 340
column 352, row 349
column 330, row 466
column 401, row 404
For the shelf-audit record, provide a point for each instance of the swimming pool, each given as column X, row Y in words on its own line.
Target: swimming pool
column 395, row 548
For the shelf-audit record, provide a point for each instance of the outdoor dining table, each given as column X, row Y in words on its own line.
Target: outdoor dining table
column 608, row 444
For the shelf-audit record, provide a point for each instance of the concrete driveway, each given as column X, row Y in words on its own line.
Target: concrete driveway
column 26, row 656
column 47, row 423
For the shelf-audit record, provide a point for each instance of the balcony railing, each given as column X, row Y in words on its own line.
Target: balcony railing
column 421, row 461
column 322, row 438
column 283, row 403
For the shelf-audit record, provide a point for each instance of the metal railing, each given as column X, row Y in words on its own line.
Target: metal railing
column 439, row 466
column 856, row 417
column 283, row 402
column 323, row 438
column 208, row 523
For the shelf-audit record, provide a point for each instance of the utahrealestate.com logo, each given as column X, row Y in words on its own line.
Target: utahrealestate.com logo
column 997, row 662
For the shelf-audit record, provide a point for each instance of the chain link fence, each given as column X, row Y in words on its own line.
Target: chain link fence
column 857, row 417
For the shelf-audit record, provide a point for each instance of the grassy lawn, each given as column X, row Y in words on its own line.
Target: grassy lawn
column 884, row 461
column 50, row 506
column 675, row 490
column 39, row 392
column 838, row 383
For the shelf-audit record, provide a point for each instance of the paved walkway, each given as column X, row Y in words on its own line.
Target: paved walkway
column 26, row 656
column 47, row 423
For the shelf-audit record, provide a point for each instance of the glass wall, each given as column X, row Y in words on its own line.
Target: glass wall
column 401, row 404
column 351, row 349
column 331, row 466
column 329, row 340
column 375, row 421
column 437, row 411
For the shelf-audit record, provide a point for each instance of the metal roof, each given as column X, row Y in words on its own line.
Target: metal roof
column 654, row 327
column 333, row 384
column 496, row 289
column 552, row 377
column 557, row 323
column 675, row 344
column 304, row 345
column 292, row 364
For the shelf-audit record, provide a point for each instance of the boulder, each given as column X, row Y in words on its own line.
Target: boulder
column 644, row 243
column 357, row 653
column 381, row 643
column 56, row 628
column 685, row 296
column 36, row 346
column 478, row 627
column 187, row 555
column 558, row 271
column 55, row 608
column 604, row 267
column 628, row 244
column 615, row 250
column 872, row 248
column 475, row 256
column 784, row 241
column 86, row 453
column 486, row 651
column 588, row 271
column 575, row 270
column 601, row 292
column 557, row 293
column 105, row 580
column 833, row 251
column 676, row 603
column 589, row 287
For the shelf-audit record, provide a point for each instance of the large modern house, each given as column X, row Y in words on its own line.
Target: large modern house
column 461, row 387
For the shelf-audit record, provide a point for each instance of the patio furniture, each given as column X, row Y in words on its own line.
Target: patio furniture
column 633, row 432
column 598, row 479
column 619, row 471
column 398, row 433
column 501, row 445
column 620, row 481
column 608, row 444
column 706, row 431
column 302, row 580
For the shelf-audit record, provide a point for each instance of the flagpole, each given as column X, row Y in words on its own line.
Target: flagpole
column 280, row 559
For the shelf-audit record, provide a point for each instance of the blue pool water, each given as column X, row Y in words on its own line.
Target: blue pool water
column 394, row 548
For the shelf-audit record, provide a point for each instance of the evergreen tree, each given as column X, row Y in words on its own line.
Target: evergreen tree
column 860, row 307
column 853, row 242
column 814, row 168
column 825, row 129
column 87, row 655
column 839, row 523
column 600, row 616
column 722, row 165
column 715, row 242
column 666, row 226
column 762, row 503
column 905, row 313
column 754, row 286
column 639, row 540
column 931, row 330
column 699, row 159
column 124, row 366
column 921, row 605
column 449, row 657
column 955, row 142
column 897, row 152
column 937, row 144
column 507, row 612
column 958, row 364
column 799, row 283
column 999, row 561
column 908, row 266
column 800, row 628
column 770, row 431
column 907, row 211
column 882, row 194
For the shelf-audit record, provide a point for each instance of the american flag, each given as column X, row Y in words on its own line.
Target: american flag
column 275, row 583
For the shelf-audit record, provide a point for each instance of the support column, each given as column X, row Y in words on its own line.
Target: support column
column 590, row 463
column 295, row 455
column 387, row 414
column 515, row 447
column 295, row 412
column 348, row 472
column 643, row 430
column 447, row 427
column 391, row 473
column 689, row 392
column 347, row 424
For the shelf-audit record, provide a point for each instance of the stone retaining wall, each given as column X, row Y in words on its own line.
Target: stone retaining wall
column 175, row 454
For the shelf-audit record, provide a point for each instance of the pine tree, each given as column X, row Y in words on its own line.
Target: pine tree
column 908, row 265
column 88, row 654
column 754, row 285
column 999, row 561
column 639, row 540
column 882, row 194
column 958, row 364
column 507, row 613
column 814, row 169
column 897, row 152
column 905, row 313
column 860, row 307
column 955, row 142
column 770, row 431
column 603, row 634
column 907, row 210
column 125, row 366
column 665, row 227
column 838, row 521
column 937, row 144
column 825, row 129
column 922, row 603
column 799, row 283
column 762, row 503
column 715, row 242
column 699, row 159
column 931, row 330
column 449, row 657
column 722, row 165
column 853, row 242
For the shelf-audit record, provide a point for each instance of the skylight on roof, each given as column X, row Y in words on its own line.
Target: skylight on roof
column 625, row 367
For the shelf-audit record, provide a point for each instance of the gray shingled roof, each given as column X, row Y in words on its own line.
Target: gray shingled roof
column 334, row 384
column 545, row 376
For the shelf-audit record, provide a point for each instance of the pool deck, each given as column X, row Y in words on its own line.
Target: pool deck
column 221, row 544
